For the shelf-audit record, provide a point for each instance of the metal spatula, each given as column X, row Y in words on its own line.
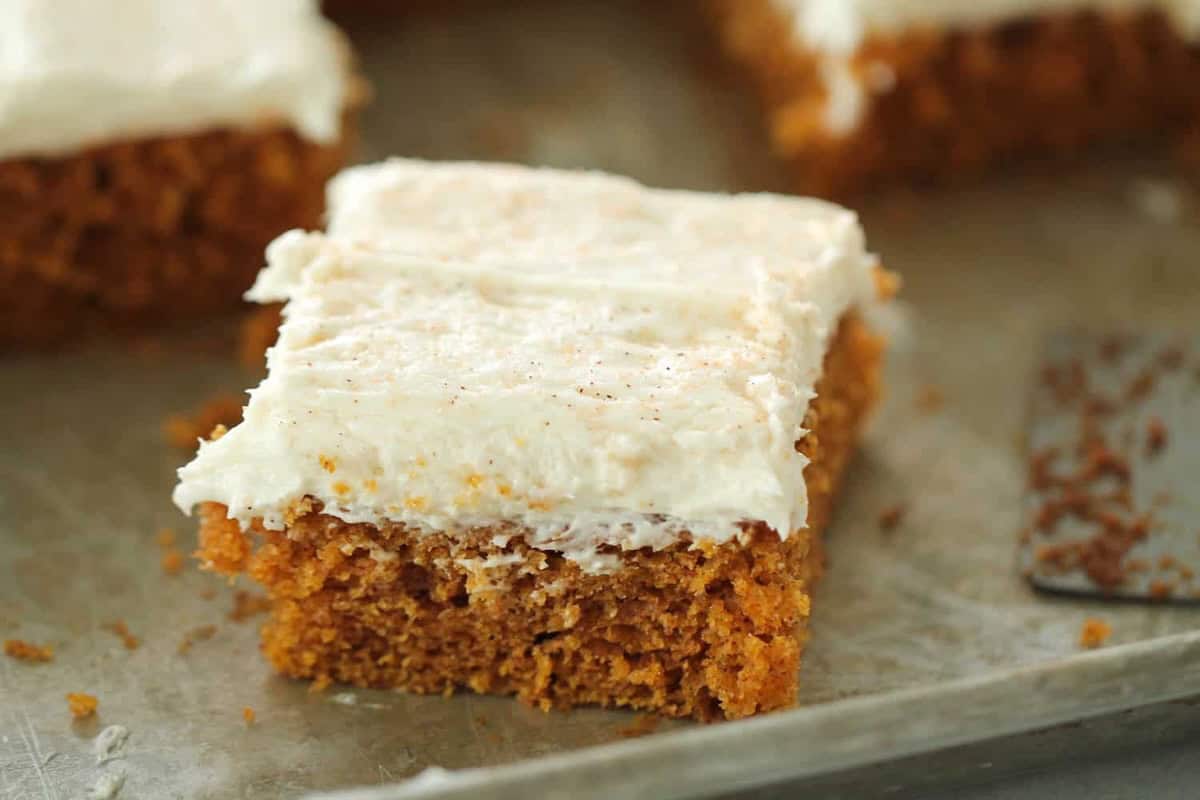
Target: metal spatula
column 1113, row 501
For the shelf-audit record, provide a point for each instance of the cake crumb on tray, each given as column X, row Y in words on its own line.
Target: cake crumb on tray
column 185, row 431
column 22, row 650
column 891, row 517
column 200, row 634
column 121, row 630
column 172, row 562
column 82, row 705
column 247, row 605
column 1094, row 633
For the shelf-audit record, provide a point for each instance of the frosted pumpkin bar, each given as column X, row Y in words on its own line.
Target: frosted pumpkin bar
column 150, row 150
column 547, row 433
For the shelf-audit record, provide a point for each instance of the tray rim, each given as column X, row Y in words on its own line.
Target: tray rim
column 869, row 729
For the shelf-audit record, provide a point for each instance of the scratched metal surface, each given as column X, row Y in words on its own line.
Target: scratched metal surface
column 85, row 477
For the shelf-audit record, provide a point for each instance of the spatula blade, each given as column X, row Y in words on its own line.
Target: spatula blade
column 1112, row 507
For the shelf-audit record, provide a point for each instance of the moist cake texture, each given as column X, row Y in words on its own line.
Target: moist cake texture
column 509, row 406
column 861, row 90
column 149, row 151
column 692, row 630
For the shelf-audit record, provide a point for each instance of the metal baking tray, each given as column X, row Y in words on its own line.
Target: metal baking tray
column 925, row 636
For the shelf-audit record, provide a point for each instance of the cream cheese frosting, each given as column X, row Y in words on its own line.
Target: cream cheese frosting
column 75, row 73
column 836, row 29
column 593, row 361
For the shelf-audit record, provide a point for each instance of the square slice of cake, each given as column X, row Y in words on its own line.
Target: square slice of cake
column 150, row 149
column 862, row 90
column 547, row 433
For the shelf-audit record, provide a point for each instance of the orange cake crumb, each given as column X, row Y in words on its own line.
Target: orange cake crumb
column 248, row 715
column 172, row 559
column 643, row 725
column 1095, row 633
column 891, row 517
column 200, row 634
column 120, row 629
column 248, row 604
column 930, row 399
column 27, row 651
column 1156, row 436
column 82, row 705
column 1161, row 589
column 887, row 283
column 172, row 562
column 185, row 431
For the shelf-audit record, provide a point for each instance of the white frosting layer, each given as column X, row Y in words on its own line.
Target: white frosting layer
column 75, row 73
column 570, row 352
column 837, row 28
